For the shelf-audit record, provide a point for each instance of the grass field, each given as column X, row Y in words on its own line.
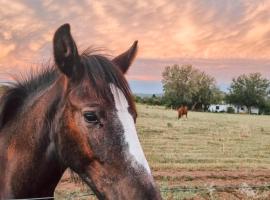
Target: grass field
column 205, row 140
column 206, row 150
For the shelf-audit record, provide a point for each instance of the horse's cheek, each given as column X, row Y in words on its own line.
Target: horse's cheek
column 75, row 148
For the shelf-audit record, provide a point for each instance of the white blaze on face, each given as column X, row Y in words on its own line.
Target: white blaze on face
column 130, row 132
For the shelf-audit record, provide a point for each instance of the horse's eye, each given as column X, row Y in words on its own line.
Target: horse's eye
column 90, row 117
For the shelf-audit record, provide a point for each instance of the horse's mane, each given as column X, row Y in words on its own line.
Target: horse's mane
column 16, row 92
column 97, row 68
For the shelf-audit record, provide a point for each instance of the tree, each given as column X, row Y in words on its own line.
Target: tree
column 3, row 88
column 177, row 82
column 249, row 90
column 265, row 108
column 204, row 91
column 218, row 96
column 189, row 86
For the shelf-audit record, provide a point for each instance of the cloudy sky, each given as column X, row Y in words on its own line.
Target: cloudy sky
column 224, row 38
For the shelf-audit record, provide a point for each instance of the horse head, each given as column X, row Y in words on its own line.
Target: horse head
column 96, row 135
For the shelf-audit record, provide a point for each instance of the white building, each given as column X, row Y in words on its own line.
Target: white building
column 244, row 109
column 220, row 107
column 237, row 109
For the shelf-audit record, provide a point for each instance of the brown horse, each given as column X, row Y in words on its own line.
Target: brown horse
column 183, row 110
column 77, row 114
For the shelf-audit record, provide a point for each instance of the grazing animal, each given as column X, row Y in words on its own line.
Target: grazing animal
column 183, row 110
column 77, row 114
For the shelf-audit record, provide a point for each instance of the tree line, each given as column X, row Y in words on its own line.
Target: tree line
column 186, row 85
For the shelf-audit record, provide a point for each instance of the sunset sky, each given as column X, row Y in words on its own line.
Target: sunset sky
column 224, row 38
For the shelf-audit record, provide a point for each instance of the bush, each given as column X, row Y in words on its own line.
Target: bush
column 230, row 110
column 154, row 100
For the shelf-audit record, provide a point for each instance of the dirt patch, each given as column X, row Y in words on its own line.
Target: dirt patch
column 218, row 184
column 218, row 177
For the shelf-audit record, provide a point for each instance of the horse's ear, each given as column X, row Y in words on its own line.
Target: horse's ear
column 124, row 60
column 65, row 51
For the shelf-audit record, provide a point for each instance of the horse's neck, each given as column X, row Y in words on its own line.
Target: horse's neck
column 32, row 167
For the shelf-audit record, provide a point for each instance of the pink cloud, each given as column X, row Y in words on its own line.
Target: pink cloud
column 223, row 38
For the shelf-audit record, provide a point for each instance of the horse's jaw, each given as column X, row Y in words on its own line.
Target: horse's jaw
column 136, row 187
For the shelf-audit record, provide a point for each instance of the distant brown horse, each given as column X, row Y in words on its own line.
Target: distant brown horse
column 78, row 114
column 183, row 110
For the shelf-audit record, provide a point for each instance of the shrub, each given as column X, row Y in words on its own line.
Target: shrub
column 230, row 110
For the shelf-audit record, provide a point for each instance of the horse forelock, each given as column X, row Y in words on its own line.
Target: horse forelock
column 102, row 73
